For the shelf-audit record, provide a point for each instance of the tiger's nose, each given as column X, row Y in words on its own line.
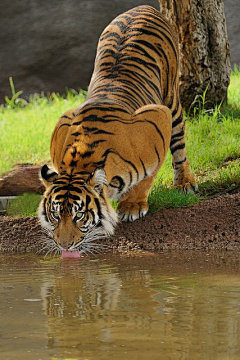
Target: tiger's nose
column 66, row 246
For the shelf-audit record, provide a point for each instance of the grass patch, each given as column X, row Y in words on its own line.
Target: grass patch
column 26, row 128
column 162, row 197
column 24, row 205
column 212, row 140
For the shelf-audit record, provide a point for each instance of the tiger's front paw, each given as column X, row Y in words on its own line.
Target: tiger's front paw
column 128, row 211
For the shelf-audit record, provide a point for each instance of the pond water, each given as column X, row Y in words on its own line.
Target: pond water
column 138, row 307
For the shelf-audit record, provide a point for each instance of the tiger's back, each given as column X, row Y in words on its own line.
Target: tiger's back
column 137, row 61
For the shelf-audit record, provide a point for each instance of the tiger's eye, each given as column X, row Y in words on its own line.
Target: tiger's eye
column 79, row 216
column 55, row 215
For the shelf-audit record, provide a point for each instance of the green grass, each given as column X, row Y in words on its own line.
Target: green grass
column 25, row 132
column 24, row 205
column 163, row 197
column 212, row 138
column 213, row 145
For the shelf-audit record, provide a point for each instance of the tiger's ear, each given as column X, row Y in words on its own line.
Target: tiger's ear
column 47, row 176
column 97, row 180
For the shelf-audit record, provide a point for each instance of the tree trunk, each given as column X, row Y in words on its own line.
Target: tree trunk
column 204, row 48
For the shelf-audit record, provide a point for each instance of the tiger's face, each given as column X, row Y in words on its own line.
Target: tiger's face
column 75, row 211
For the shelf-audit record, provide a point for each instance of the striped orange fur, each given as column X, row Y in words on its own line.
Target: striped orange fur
column 114, row 144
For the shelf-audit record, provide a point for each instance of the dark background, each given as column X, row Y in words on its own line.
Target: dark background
column 51, row 45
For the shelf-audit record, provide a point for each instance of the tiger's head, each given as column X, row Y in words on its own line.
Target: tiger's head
column 74, row 210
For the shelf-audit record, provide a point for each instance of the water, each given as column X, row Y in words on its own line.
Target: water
column 140, row 307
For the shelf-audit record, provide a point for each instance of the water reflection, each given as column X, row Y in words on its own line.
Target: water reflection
column 161, row 307
column 103, row 305
column 111, row 307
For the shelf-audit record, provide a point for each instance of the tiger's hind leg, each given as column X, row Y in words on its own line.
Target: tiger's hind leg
column 134, row 204
column 182, row 175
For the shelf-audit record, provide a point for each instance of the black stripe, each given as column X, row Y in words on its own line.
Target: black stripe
column 130, row 177
column 147, row 111
column 89, row 129
column 151, row 33
column 122, row 27
column 174, row 141
column 176, row 137
column 87, row 154
column 149, row 66
column 177, row 121
column 111, row 34
column 102, row 108
column 88, row 200
column 178, row 147
column 109, row 52
column 68, row 187
column 120, row 181
column 128, row 162
column 144, row 169
column 157, row 25
column 159, row 132
column 179, row 134
column 95, row 143
column 75, row 189
column 77, row 133
column 103, row 132
column 59, row 182
column 77, row 123
column 44, row 209
column 73, row 163
column 149, row 46
column 57, row 189
column 97, row 164
column 65, row 117
column 128, row 19
column 118, row 90
column 60, row 196
column 134, row 78
column 174, row 112
column 94, row 118
column 158, row 156
column 73, row 197
column 135, row 45
column 64, row 125
column 143, row 79
column 78, row 182
column 98, row 208
column 179, row 162
column 129, row 85
column 74, row 151
column 105, row 154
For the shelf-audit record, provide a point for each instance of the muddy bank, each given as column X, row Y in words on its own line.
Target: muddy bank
column 212, row 225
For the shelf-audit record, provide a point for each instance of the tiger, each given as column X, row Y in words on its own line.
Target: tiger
column 113, row 145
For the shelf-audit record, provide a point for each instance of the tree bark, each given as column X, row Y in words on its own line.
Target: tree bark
column 204, row 48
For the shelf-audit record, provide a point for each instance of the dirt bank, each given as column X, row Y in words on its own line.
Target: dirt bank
column 212, row 225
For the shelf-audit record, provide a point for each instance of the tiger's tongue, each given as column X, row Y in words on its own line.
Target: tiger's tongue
column 70, row 254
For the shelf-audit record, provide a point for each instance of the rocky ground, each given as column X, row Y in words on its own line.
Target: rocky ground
column 213, row 224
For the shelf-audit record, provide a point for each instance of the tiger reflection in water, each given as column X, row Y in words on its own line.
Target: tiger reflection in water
column 82, row 306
